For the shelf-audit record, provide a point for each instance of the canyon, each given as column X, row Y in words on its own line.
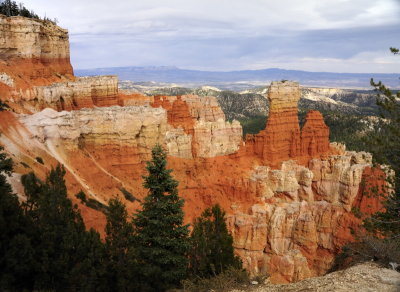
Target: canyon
column 288, row 191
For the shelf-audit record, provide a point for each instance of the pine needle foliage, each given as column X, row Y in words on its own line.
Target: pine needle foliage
column 212, row 250
column 161, row 237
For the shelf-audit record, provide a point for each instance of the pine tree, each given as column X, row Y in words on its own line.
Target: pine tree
column 212, row 246
column 160, row 236
column 16, row 252
column 69, row 257
column 120, row 248
column 385, row 145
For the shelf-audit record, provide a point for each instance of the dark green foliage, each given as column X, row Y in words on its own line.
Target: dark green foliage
column 91, row 203
column 120, row 247
column 383, row 141
column 82, row 197
column 348, row 129
column 212, row 251
column 16, row 251
column 160, row 236
column 253, row 125
column 96, row 205
column 68, row 257
column 127, row 195
column 385, row 145
column 11, row 8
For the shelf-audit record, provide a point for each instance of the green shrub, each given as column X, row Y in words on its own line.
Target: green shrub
column 127, row 195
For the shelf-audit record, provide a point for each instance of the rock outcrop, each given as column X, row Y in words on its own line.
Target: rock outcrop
column 33, row 50
column 84, row 92
column 204, row 121
column 303, row 218
column 282, row 138
column 35, row 70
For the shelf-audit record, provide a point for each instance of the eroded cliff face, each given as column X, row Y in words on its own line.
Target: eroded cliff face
column 33, row 50
column 204, row 121
column 304, row 215
column 35, row 70
column 282, row 139
column 288, row 192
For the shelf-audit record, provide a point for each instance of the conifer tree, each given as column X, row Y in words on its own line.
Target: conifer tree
column 16, row 251
column 120, row 248
column 160, row 236
column 212, row 246
column 69, row 257
column 385, row 146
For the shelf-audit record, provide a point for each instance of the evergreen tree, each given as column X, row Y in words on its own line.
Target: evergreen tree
column 212, row 250
column 385, row 145
column 11, row 8
column 160, row 236
column 16, row 252
column 69, row 257
column 120, row 248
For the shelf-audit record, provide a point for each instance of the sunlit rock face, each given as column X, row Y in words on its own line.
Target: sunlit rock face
column 282, row 138
column 33, row 51
column 35, row 69
column 303, row 217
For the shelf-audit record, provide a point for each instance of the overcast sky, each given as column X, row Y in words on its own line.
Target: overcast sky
column 311, row 35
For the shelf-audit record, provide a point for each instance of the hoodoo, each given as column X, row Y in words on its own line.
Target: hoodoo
column 287, row 191
column 282, row 139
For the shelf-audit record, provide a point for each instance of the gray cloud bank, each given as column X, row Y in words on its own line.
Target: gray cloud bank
column 336, row 35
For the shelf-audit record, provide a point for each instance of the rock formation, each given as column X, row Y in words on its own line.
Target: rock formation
column 288, row 192
column 282, row 139
column 32, row 49
column 303, row 218
column 35, row 69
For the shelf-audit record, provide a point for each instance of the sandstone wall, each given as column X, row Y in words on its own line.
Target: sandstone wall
column 204, row 121
column 35, row 70
column 22, row 37
column 303, row 218
column 85, row 92
column 126, row 127
column 40, row 48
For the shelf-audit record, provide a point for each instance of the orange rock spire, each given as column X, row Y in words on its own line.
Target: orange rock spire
column 282, row 139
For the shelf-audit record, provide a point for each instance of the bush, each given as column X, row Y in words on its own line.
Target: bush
column 128, row 195
column 368, row 248
column 91, row 203
column 230, row 279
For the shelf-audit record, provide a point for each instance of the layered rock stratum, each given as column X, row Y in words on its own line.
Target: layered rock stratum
column 288, row 191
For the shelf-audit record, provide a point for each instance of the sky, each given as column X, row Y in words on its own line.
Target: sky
column 223, row 35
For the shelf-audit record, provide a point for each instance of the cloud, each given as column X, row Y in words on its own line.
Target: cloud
column 228, row 34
